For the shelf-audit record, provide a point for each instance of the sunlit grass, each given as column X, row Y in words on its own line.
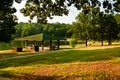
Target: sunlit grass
column 73, row 64
column 13, row 54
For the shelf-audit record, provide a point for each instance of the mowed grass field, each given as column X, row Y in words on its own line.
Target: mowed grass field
column 76, row 64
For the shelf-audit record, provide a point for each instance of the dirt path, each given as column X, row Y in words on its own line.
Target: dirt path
column 34, row 54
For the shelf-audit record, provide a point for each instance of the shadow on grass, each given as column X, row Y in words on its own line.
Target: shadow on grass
column 9, row 75
column 63, row 57
column 99, row 75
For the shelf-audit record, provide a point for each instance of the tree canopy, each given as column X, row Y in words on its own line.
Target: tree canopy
column 42, row 9
column 28, row 29
column 7, row 20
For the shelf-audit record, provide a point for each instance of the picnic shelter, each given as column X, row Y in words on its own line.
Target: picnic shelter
column 42, row 37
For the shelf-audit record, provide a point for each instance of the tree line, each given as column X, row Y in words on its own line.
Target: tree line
column 54, row 29
column 43, row 9
column 101, row 27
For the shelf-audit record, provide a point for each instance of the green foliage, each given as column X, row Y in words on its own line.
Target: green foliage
column 101, row 27
column 73, row 42
column 7, row 20
column 56, row 29
column 107, row 28
column 27, row 29
column 81, row 29
column 117, row 17
column 43, row 9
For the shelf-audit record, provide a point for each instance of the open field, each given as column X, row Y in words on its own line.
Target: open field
column 98, row 64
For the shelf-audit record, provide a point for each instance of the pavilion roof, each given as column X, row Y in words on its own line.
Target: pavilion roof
column 40, row 37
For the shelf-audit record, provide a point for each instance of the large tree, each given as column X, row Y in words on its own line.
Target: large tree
column 105, row 28
column 42, row 9
column 7, row 20
column 108, row 29
column 112, row 29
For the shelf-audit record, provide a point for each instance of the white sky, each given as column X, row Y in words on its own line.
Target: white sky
column 63, row 19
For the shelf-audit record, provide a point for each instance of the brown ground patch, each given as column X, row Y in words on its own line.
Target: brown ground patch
column 76, row 71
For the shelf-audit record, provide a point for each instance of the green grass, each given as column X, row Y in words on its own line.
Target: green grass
column 61, row 60
column 57, row 58
column 65, row 57
column 6, row 55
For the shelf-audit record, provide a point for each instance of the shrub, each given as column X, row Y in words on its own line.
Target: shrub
column 73, row 42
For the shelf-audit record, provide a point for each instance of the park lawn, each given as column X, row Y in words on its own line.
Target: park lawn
column 65, row 65
column 13, row 54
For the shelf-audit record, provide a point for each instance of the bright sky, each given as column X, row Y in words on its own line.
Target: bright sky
column 63, row 19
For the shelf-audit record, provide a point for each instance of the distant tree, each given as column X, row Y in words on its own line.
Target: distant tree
column 106, row 28
column 112, row 29
column 27, row 29
column 19, row 28
column 82, row 27
column 117, row 17
column 56, row 29
column 100, row 27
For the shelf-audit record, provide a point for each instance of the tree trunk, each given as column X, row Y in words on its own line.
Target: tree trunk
column 102, row 40
column 86, row 42
column 109, row 42
column 42, row 44
column 26, row 43
column 51, row 45
column 58, row 41
column 102, row 43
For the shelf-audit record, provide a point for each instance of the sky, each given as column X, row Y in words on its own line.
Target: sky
column 61, row 19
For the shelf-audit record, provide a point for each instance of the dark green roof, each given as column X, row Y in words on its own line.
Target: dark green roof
column 40, row 37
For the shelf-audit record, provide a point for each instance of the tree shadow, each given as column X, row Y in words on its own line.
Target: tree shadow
column 9, row 75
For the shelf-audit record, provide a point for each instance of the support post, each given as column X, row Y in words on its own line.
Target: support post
column 42, row 44
column 34, row 43
column 26, row 43
column 58, row 41
column 50, row 44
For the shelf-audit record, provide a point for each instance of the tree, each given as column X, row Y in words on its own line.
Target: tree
column 100, row 27
column 27, row 29
column 56, row 29
column 106, row 28
column 112, row 29
column 82, row 27
column 7, row 20
column 42, row 9
column 117, row 17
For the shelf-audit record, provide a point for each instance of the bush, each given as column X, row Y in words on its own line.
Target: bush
column 73, row 42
